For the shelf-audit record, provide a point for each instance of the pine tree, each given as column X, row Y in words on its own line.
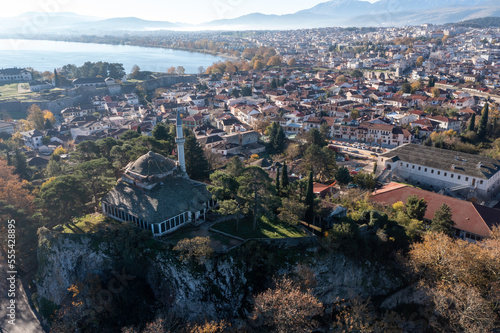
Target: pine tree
column 309, row 201
column 483, row 122
column 277, row 182
column 139, row 130
column 472, row 123
column 442, row 221
column 48, row 124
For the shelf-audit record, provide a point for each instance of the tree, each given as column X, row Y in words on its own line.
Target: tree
column 12, row 189
column 88, row 150
column 180, row 70
column 258, row 64
column 235, row 93
column 196, row 163
column 224, row 185
column 201, row 70
column 291, row 211
column 98, row 176
column 284, row 177
column 342, row 176
column 197, row 248
column 136, row 70
column 340, row 79
column 235, row 166
column 47, row 124
column 35, row 117
column 315, row 137
column 274, row 84
column 292, row 62
column 139, row 130
column 406, row 88
column 232, row 207
column 256, row 189
column 435, row 92
column 274, row 61
column 472, row 123
column 321, row 160
column 57, row 82
column 420, row 61
column 171, row 70
column 286, row 309
column 483, row 123
column 279, row 140
column 246, row 91
column 62, row 198
column 309, row 200
column 277, row 181
column 20, row 165
column 160, row 132
column 129, row 135
column 442, row 221
column 463, row 295
column 415, row 208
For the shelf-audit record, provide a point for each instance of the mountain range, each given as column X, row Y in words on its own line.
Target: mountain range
column 340, row 13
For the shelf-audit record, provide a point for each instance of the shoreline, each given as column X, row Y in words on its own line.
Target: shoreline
column 69, row 40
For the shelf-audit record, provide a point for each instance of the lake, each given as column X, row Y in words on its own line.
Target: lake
column 43, row 55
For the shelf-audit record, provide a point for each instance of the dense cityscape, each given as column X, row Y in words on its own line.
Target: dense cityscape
column 317, row 180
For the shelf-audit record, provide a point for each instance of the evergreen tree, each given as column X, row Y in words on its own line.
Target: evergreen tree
column 139, row 130
column 160, row 132
column 415, row 208
column 277, row 181
column 309, row 201
column 442, row 221
column 274, row 84
column 48, row 124
column 197, row 166
column 9, row 159
column 56, row 79
column 483, row 122
column 235, row 166
column 342, row 176
column 284, row 176
column 279, row 140
column 472, row 123
column 21, row 165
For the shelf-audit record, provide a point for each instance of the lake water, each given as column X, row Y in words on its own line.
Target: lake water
column 43, row 55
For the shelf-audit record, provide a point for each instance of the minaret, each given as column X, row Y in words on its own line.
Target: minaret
column 180, row 143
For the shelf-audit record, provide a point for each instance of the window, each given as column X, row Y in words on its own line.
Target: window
column 419, row 168
column 401, row 163
column 480, row 182
column 413, row 167
column 445, row 174
column 406, row 164
column 459, row 177
column 451, row 175
column 466, row 179
column 432, row 171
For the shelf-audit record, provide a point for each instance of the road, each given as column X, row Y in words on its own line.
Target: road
column 26, row 321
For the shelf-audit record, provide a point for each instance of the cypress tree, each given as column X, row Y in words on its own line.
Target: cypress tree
column 139, row 130
column 56, row 78
column 483, row 122
column 472, row 123
column 284, row 176
column 309, row 201
column 279, row 140
column 277, row 180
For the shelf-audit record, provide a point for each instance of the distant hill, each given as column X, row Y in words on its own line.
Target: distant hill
column 333, row 13
column 485, row 22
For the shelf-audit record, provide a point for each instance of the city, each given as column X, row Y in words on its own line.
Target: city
column 330, row 179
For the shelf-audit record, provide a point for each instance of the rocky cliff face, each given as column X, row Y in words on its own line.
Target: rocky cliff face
column 220, row 287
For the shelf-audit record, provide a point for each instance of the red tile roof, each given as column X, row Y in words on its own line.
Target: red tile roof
column 470, row 217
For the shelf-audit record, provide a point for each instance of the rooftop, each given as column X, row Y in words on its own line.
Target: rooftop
column 466, row 164
column 151, row 164
column 175, row 196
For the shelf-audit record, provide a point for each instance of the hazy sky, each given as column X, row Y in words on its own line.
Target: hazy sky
column 187, row 11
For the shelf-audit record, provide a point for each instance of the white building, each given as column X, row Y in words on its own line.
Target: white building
column 440, row 169
column 15, row 74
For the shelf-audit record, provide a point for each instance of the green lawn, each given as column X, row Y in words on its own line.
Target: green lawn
column 10, row 91
column 265, row 229
column 88, row 224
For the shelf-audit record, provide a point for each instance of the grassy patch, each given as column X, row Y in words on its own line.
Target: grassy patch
column 88, row 224
column 265, row 229
column 10, row 91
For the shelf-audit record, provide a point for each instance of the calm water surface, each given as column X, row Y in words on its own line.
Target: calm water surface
column 45, row 55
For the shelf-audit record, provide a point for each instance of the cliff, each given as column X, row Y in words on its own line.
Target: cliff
column 222, row 286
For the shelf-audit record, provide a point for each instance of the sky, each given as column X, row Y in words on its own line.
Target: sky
column 185, row 11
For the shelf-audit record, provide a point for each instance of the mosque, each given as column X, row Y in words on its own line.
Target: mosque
column 156, row 194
